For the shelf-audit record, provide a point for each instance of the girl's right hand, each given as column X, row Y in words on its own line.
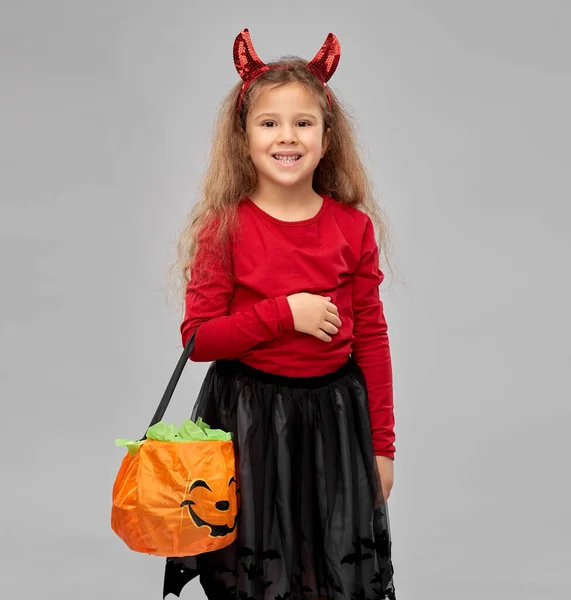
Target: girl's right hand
column 314, row 314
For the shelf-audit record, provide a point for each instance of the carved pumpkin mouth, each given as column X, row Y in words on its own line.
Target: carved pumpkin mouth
column 221, row 505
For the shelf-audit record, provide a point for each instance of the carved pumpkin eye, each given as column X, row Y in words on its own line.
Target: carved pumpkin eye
column 232, row 480
column 199, row 483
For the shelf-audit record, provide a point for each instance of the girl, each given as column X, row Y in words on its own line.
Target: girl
column 281, row 274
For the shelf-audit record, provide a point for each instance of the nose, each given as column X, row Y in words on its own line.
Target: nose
column 223, row 505
column 288, row 134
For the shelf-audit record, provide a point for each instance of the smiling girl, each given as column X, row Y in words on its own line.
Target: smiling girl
column 280, row 268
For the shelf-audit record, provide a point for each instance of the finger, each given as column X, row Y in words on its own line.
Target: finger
column 320, row 334
column 329, row 327
column 332, row 308
column 332, row 318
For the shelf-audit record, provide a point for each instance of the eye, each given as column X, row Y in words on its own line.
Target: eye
column 306, row 123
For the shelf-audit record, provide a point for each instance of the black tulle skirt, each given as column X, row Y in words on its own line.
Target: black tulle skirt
column 313, row 522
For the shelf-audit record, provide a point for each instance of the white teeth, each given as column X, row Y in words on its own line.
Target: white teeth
column 288, row 159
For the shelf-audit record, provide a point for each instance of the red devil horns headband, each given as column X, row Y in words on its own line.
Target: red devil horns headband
column 249, row 65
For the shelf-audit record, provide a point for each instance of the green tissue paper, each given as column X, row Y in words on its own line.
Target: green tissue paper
column 189, row 431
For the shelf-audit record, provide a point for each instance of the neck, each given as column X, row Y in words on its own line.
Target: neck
column 280, row 197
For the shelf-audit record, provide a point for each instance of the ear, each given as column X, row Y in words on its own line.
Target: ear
column 246, row 142
column 326, row 141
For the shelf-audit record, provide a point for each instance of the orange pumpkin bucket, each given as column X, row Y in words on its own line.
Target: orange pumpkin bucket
column 176, row 491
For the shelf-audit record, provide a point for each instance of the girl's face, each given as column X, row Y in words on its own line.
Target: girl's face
column 285, row 121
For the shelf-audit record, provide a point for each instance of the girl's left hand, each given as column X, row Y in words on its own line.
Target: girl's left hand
column 387, row 474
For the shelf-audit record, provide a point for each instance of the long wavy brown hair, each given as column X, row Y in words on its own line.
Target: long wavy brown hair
column 230, row 174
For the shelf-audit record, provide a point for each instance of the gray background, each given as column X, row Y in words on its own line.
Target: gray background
column 463, row 113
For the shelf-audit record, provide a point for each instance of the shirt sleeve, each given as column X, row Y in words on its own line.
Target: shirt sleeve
column 208, row 296
column 371, row 347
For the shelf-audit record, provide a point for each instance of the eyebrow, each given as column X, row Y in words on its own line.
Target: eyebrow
column 303, row 114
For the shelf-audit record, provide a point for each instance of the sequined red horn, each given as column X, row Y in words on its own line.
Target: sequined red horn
column 247, row 62
column 324, row 63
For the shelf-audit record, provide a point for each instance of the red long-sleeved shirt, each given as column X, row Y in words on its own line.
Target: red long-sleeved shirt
column 246, row 315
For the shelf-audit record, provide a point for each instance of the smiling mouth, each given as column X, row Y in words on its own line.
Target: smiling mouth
column 215, row 530
column 288, row 160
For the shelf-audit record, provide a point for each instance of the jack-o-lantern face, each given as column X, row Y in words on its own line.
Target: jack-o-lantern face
column 206, row 509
